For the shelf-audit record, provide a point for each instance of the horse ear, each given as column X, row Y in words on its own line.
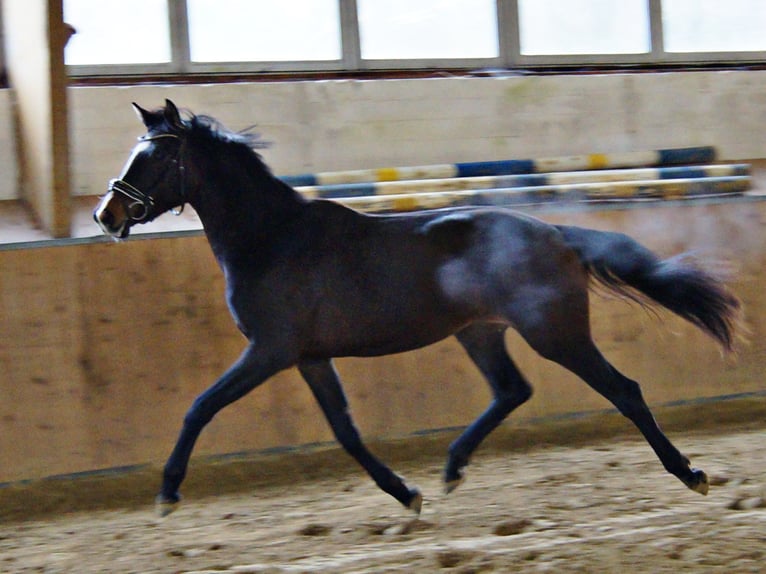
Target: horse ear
column 150, row 119
column 172, row 115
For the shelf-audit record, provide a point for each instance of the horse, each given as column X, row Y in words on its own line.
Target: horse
column 309, row 280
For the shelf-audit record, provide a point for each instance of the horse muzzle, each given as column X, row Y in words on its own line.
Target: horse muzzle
column 111, row 217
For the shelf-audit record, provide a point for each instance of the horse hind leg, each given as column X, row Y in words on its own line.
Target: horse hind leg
column 485, row 345
column 626, row 395
column 565, row 339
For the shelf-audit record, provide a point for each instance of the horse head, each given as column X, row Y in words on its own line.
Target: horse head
column 152, row 181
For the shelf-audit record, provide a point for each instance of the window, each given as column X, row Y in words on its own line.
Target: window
column 427, row 29
column 3, row 78
column 550, row 27
column 118, row 32
column 252, row 36
column 714, row 26
column 263, row 30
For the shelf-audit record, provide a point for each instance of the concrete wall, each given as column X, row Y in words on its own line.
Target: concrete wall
column 323, row 126
column 104, row 346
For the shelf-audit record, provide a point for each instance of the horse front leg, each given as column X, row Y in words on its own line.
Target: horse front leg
column 325, row 384
column 250, row 370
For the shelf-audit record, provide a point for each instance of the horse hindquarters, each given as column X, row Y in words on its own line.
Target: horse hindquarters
column 550, row 309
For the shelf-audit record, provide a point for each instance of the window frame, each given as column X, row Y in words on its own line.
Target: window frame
column 509, row 53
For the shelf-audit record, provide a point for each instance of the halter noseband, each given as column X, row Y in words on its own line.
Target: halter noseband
column 138, row 197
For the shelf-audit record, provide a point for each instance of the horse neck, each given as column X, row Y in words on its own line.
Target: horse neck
column 244, row 209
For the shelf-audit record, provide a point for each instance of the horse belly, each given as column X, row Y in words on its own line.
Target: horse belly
column 384, row 325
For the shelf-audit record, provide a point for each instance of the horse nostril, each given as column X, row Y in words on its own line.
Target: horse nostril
column 104, row 217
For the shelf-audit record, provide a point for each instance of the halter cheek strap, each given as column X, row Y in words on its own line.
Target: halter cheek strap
column 142, row 200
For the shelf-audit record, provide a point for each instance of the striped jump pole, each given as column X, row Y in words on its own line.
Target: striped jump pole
column 665, row 157
column 525, row 180
column 661, row 189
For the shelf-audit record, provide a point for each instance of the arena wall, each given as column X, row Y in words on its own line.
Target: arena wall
column 104, row 346
column 351, row 124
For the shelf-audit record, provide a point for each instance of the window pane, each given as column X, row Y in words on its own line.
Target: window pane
column 263, row 30
column 118, row 32
column 550, row 27
column 403, row 29
column 714, row 25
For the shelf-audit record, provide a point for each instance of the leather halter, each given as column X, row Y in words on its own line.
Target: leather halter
column 139, row 199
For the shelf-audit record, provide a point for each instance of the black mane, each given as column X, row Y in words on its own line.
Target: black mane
column 210, row 128
column 208, row 133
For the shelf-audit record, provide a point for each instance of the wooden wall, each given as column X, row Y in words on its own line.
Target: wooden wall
column 35, row 36
column 103, row 347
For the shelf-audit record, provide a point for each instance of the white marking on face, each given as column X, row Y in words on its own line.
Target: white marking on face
column 100, row 215
column 139, row 147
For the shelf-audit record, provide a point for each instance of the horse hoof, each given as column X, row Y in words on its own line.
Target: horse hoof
column 699, row 483
column 416, row 504
column 450, row 485
column 165, row 505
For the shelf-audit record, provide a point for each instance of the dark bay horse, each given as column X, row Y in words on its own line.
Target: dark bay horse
column 309, row 280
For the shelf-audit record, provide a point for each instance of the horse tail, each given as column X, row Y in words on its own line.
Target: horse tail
column 628, row 268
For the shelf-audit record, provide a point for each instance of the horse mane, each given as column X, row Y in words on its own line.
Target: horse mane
column 209, row 132
column 210, row 128
column 238, row 147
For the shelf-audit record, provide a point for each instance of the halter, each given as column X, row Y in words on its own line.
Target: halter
column 141, row 200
